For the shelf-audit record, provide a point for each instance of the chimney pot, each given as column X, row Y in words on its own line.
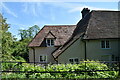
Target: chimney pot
column 84, row 12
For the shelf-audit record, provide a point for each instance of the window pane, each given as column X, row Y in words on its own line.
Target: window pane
column 76, row 60
column 71, row 60
column 102, row 44
column 52, row 42
column 41, row 59
column 107, row 44
column 48, row 42
column 44, row 58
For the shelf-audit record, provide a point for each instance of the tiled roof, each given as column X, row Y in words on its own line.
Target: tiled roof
column 61, row 33
column 96, row 25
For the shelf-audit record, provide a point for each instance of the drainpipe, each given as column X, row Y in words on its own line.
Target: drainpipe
column 119, row 56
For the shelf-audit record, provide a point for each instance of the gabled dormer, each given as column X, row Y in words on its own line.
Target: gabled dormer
column 50, row 39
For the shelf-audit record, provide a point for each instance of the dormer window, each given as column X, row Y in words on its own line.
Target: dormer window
column 49, row 42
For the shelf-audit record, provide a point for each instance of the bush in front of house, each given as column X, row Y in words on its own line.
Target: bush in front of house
column 71, row 71
column 13, row 75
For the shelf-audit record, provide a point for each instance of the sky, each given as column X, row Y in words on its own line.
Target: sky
column 22, row 15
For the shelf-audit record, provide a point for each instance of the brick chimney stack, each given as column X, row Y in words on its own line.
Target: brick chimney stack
column 84, row 12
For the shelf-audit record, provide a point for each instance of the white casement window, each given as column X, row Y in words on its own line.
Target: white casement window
column 74, row 60
column 43, row 58
column 105, row 44
column 71, row 60
column 49, row 42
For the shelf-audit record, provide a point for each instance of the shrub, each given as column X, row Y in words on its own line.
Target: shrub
column 66, row 70
column 13, row 75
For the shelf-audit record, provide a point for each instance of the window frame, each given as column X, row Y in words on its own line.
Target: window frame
column 51, row 44
column 71, row 59
column 74, row 62
column 45, row 56
column 105, row 44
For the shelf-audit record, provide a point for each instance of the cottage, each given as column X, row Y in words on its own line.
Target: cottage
column 95, row 37
column 49, row 39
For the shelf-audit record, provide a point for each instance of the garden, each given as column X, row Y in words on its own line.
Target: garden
column 83, row 70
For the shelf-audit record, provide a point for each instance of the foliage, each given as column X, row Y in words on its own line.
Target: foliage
column 7, row 39
column 29, row 33
column 21, row 49
column 72, row 71
column 14, row 75
column 11, row 48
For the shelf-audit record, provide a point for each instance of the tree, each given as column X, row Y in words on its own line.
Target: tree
column 6, row 39
column 29, row 33
column 21, row 49
column 32, row 31
column 12, row 49
column 23, row 34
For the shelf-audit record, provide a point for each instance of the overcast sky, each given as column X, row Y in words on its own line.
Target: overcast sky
column 21, row 15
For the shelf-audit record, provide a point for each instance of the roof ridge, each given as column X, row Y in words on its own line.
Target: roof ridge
column 57, row 25
column 104, row 11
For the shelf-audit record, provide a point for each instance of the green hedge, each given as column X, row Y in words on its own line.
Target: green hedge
column 90, row 66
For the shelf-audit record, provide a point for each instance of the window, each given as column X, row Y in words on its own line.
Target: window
column 71, row 61
column 105, row 44
column 74, row 60
column 43, row 58
column 49, row 42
